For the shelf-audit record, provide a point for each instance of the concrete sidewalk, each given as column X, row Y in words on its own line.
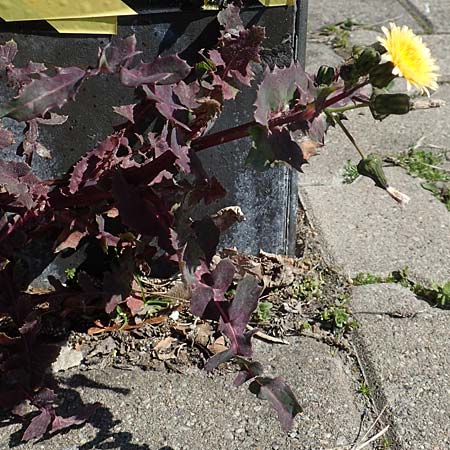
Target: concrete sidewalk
column 402, row 343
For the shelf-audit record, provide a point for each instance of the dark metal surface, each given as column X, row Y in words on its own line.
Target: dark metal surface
column 269, row 199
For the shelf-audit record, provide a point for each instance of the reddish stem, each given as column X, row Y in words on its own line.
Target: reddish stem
column 241, row 131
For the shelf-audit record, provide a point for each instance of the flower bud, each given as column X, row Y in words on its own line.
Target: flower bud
column 325, row 75
column 367, row 60
column 348, row 72
column 357, row 50
column 381, row 75
column 382, row 105
column 371, row 167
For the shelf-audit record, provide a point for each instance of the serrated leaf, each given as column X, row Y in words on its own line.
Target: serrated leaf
column 187, row 93
column 163, row 70
column 38, row 426
column 126, row 111
column 19, row 188
column 230, row 20
column 118, row 54
column 92, row 166
column 163, row 96
column 279, row 145
column 277, row 91
column 20, row 76
column 280, row 396
column 8, row 52
column 44, row 94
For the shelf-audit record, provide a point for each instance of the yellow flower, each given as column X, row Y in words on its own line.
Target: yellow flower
column 411, row 58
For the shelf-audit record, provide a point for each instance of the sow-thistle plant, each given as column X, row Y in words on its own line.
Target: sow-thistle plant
column 132, row 195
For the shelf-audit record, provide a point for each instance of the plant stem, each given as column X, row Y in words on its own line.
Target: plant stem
column 347, row 133
column 346, row 108
column 241, row 131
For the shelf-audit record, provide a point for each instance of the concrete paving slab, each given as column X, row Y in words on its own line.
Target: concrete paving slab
column 407, row 362
column 318, row 55
column 364, row 230
column 393, row 135
column 196, row 411
column 376, row 12
column 435, row 11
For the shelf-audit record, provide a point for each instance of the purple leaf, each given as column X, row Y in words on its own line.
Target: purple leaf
column 280, row 396
column 187, row 93
column 92, row 166
column 111, row 304
column 279, row 145
column 38, row 426
column 30, row 144
column 244, row 303
column 163, row 70
column 222, row 275
column 183, row 160
column 126, row 111
column 45, row 398
column 239, row 51
column 219, row 358
column 20, row 76
column 8, row 52
column 60, row 423
column 20, row 188
column 142, row 210
column 163, row 96
column 278, row 89
column 118, row 54
column 6, row 137
column 201, row 298
column 208, row 291
column 230, row 20
column 249, row 370
column 43, row 94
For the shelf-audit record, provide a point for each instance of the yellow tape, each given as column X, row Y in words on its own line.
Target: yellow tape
column 96, row 25
column 15, row 10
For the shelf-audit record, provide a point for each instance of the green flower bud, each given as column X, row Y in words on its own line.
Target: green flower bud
column 382, row 105
column 357, row 50
column 367, row 60
column 348, row 72
column 371, row 167
column 381, row 75
column 325, row 75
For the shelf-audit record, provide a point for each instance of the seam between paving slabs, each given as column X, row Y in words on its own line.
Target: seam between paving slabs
column 360, row 357
column 418, row 16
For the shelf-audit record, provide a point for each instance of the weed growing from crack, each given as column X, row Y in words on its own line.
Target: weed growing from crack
column 427, row 166
column 340, row 33
column 350, row 173
column 338, row 317
column 436, row 294
column 365, row 390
